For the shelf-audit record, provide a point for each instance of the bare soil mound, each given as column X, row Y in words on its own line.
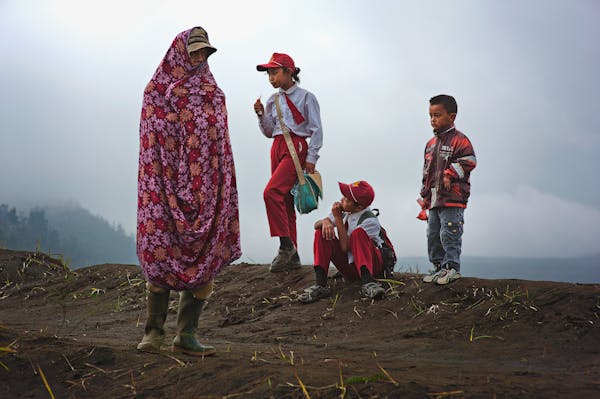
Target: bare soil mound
column 72, row 334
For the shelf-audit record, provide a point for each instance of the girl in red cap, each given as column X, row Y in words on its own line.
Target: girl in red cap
column 301, row 116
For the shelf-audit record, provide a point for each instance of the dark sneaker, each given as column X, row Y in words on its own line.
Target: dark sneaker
column 372, row 290
column 334, row 273
column 447, row 276
column 313, row 294
column 286, row 259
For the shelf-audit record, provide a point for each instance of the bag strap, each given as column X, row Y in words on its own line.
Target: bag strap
column 373, row 213
column 366, row 215
column 290, row 143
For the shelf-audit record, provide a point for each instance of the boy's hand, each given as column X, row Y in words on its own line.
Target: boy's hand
column 259, row 108
column 336, row 209
column 447, row 182
column 327, row 229
column 423, row 214
column 310, row 167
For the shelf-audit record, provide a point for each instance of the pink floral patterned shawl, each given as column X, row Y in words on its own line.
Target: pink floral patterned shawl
column 188, row 225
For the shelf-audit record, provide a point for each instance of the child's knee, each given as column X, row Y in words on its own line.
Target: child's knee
column 268, row 193
column 358, row 236
column 318, row 235
column 452, row 232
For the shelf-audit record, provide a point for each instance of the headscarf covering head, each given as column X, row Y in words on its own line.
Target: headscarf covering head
column 188, row 224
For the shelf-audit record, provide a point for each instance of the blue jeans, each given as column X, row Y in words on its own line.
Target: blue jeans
column 444, row 236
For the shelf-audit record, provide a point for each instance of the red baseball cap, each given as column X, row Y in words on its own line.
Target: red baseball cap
column 360, row 192
column 277, row 60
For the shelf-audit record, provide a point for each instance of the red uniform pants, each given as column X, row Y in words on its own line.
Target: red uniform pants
column 278, row 200
column 362, row 247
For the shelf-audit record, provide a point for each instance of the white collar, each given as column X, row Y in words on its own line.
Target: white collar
column 357, row 215
column 290, row 90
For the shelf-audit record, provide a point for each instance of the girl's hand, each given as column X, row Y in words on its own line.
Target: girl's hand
column 259, row 108
column 310, row 167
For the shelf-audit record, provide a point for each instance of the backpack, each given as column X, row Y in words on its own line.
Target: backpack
column 388, row 254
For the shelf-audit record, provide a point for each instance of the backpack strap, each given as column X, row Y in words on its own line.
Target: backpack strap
column 367, row 215
column 373, row 214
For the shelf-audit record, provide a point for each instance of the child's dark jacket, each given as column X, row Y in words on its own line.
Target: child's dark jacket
column 449, row 153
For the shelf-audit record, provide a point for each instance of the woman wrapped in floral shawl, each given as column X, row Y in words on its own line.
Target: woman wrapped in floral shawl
column 188, row 225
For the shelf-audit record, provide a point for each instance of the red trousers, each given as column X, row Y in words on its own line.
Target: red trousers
column 362, row 247
column 278, row 200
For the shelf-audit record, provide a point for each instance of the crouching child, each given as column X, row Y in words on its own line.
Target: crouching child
column 354, row 250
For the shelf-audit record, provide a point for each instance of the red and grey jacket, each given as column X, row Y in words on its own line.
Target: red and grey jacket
column 448, row 153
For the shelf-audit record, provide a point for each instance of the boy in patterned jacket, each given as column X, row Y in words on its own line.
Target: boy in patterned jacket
column 449, row 160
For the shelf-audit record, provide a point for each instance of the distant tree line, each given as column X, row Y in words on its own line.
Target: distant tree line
column 70, row 231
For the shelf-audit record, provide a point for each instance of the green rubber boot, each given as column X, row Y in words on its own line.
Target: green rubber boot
column 154, row 332
column 187, row 322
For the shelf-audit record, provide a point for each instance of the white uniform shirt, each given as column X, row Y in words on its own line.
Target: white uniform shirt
column 370, row 225
column 307, row 104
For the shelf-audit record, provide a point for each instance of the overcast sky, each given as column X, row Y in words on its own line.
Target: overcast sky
column 525, row 75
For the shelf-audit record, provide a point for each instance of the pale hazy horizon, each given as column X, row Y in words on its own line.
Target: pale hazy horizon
column 525, row 75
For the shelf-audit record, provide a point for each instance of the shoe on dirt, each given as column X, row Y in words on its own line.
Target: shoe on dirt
column 286, row 259
column 433, row 276
column 313, row 294
column 448, row 276
column 372, row 290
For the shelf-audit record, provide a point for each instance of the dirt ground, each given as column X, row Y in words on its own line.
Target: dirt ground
column 72, row 334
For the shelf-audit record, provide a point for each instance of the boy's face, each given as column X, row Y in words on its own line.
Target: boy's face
column 440, row 118
column 349, row 205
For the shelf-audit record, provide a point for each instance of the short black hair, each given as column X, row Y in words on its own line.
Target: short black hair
column 447, row 101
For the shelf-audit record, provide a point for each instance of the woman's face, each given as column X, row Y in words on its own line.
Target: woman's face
column 198, row 56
